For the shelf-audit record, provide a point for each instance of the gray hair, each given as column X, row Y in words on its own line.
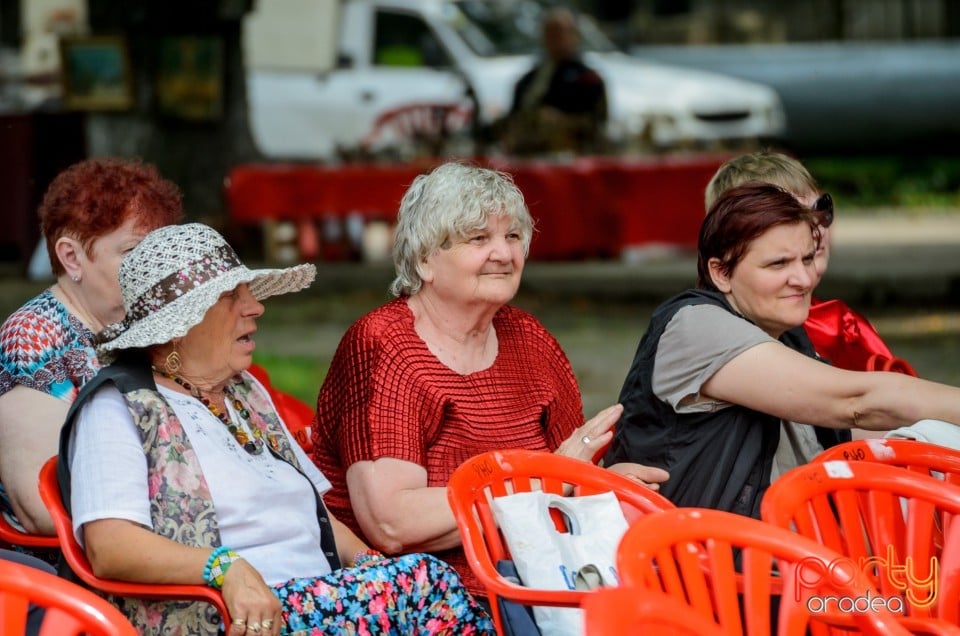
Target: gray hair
column 451, row 201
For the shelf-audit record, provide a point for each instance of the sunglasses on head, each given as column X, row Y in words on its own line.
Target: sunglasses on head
column 824, row 205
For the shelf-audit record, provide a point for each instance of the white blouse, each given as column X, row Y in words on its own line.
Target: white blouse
column 266, row 511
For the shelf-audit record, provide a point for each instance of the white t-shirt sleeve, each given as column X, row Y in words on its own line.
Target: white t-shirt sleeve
column 106, row 450
column 696, row 343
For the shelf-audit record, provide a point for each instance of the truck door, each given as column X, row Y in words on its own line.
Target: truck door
column 388, row 58
column 408, row 64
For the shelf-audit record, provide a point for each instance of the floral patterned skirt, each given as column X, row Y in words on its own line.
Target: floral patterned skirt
column 410, row 594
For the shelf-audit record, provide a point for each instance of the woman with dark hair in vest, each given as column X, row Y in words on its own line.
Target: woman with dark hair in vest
column 718, row 368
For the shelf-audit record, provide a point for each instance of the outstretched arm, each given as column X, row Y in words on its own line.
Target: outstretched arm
column 774, row 379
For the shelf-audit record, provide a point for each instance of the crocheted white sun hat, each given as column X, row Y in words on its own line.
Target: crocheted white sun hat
column 174, row 275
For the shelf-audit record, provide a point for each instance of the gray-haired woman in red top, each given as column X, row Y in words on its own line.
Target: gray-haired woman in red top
column 447, row 371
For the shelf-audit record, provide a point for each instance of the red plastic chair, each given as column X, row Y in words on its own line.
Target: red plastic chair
column 70, row 609
column 692, row 554
column 883, row 515
column 936, row 461
column 296, row 414
column 622, row 611
column 9, row 535
column 499, row 473
column 877, row 362
column 77, row 559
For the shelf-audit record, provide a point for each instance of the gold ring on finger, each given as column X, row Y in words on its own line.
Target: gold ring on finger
column 239, row 622
column 254, row 627
column 267, row 623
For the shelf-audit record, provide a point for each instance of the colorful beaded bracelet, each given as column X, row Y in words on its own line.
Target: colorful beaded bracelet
column 217, row 565
column 364, row 557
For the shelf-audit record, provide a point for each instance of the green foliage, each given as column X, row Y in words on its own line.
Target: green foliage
column 300, row 376
column 864, row 182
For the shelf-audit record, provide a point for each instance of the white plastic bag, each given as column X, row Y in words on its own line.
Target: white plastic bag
column 548, row 559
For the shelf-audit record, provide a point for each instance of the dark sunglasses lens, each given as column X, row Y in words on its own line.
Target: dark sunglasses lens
column 824, row 204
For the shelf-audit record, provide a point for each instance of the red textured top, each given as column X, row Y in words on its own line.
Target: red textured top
column 387, row 395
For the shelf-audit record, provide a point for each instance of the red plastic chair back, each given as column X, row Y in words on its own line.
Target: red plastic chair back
column 298, row 417
column 720, row 565
column 76, row 558
column 70, row 609
column 936, row 461
column 900, row 521
column 499, row 473
column 295, row 413
column 622, row 611
column 10, row 535
column 877, row 362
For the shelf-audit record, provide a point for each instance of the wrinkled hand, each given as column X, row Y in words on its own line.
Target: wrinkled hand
column 254, row 610
column 594, row 435
column 647, row 475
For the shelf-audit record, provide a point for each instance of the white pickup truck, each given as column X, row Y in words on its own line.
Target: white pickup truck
column 319, row 73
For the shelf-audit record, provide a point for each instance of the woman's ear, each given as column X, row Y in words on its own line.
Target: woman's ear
column 70, row 253
column 425, row 271
column 719, row 275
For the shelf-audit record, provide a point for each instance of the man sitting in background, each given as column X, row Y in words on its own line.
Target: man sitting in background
column 560, row 104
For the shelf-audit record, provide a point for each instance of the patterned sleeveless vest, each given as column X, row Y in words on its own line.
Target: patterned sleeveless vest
column 181, row 507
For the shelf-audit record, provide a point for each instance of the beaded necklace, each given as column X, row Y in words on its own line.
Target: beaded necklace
column 253, row 446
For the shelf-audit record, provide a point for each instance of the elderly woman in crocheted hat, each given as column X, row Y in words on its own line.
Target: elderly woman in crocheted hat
column 182, row 471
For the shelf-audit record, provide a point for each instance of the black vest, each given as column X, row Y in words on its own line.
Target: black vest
column 719, row 459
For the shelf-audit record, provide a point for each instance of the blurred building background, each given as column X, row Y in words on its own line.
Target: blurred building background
column 639, row 22
column 182, row 105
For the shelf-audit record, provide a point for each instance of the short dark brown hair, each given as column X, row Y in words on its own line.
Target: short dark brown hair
column 96, row 196
column 740, row 216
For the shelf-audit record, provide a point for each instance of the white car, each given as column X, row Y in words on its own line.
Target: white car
column 391, row 53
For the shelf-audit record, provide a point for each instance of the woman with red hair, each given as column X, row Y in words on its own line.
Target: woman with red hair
column 91, row 215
